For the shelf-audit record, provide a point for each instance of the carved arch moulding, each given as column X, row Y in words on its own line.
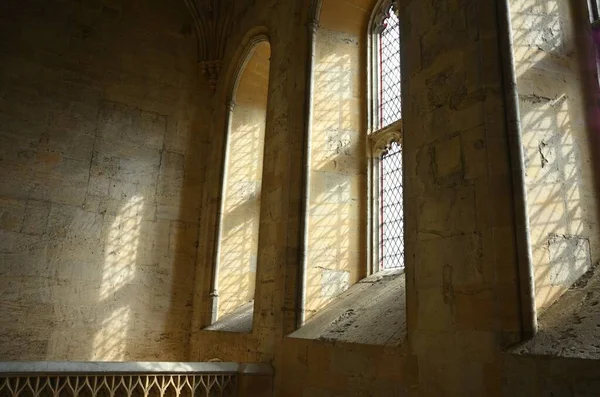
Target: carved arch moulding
column 213, row 20
column 381, row 140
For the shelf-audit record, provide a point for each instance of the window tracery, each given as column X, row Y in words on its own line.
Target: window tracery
column 386, row 141
column 389, row 100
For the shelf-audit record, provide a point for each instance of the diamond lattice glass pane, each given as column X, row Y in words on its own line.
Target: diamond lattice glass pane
column 391, row 211
column 389, row 71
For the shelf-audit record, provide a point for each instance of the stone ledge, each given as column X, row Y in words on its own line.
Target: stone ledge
column 570, row 328
column 102, row 367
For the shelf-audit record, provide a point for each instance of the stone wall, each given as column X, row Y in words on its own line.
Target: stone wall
column 99, row 197
column 560, row 188
column 339, row 369
column 462, row 287
column 462, row 293
column 336, row 227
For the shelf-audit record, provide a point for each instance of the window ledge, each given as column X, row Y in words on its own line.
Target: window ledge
column 240, row 320
column 371, row 312
column 571, row 326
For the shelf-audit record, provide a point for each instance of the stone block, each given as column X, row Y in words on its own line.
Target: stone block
column 12, row 213
column 474, row 310
column 68, row 143
column 113, row 149
column 448, row 159
column 474, row 152
column 351, row 361
column 447, row 212
column 120, row 122
column 183, row 237
column 141, row 172
column 256, row 386
column 85, row 225
column 167, row 212
column 59, row 219
column 36, row 217
column 22, row 255
column 435, row 312
column 172, row 164
column 476, row 346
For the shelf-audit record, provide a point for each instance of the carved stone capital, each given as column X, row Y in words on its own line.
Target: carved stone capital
column 313, row 26
column 211, row 70
column 213, row 20
column 230, row 105
column 381, row 140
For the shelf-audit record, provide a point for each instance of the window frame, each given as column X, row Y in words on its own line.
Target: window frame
column 594, row 9
column 594, row 14
column 378, row 139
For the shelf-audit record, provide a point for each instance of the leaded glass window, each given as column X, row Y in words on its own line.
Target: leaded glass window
column 386, row 140
column 391, row 229
column 389, row 106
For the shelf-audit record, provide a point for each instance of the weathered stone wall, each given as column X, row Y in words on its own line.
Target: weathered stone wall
column 281, row 193
column 547, row 376
column 241, row 210
column 561, row 194
column 336, row 230
column 462, row 293
column 320, row 368
column 99, row 196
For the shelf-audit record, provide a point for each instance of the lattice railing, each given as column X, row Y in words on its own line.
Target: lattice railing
column 119, row 385
column 104, row 380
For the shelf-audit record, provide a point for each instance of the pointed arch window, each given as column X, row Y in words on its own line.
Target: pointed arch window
column 236, row 256
column 387, row 220
column 388, row 67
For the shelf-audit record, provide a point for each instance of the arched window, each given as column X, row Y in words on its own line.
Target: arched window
column 388, row 68
column 353, row 115
column 386, row 141
column 234, row 278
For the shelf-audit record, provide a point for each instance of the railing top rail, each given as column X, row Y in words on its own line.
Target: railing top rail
column 133, row 368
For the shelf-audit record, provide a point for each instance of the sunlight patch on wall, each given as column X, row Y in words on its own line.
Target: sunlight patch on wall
column 122, row 247
column 121, row 251
column 560, row 192
column 110, row 344
column 239, row 239
column 337, row 171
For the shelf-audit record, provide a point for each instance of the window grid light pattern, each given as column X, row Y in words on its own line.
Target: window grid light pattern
column 391, row 211
column 390, row 109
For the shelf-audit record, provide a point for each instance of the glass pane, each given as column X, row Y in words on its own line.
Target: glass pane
column 391, row 211
column 389, row 71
